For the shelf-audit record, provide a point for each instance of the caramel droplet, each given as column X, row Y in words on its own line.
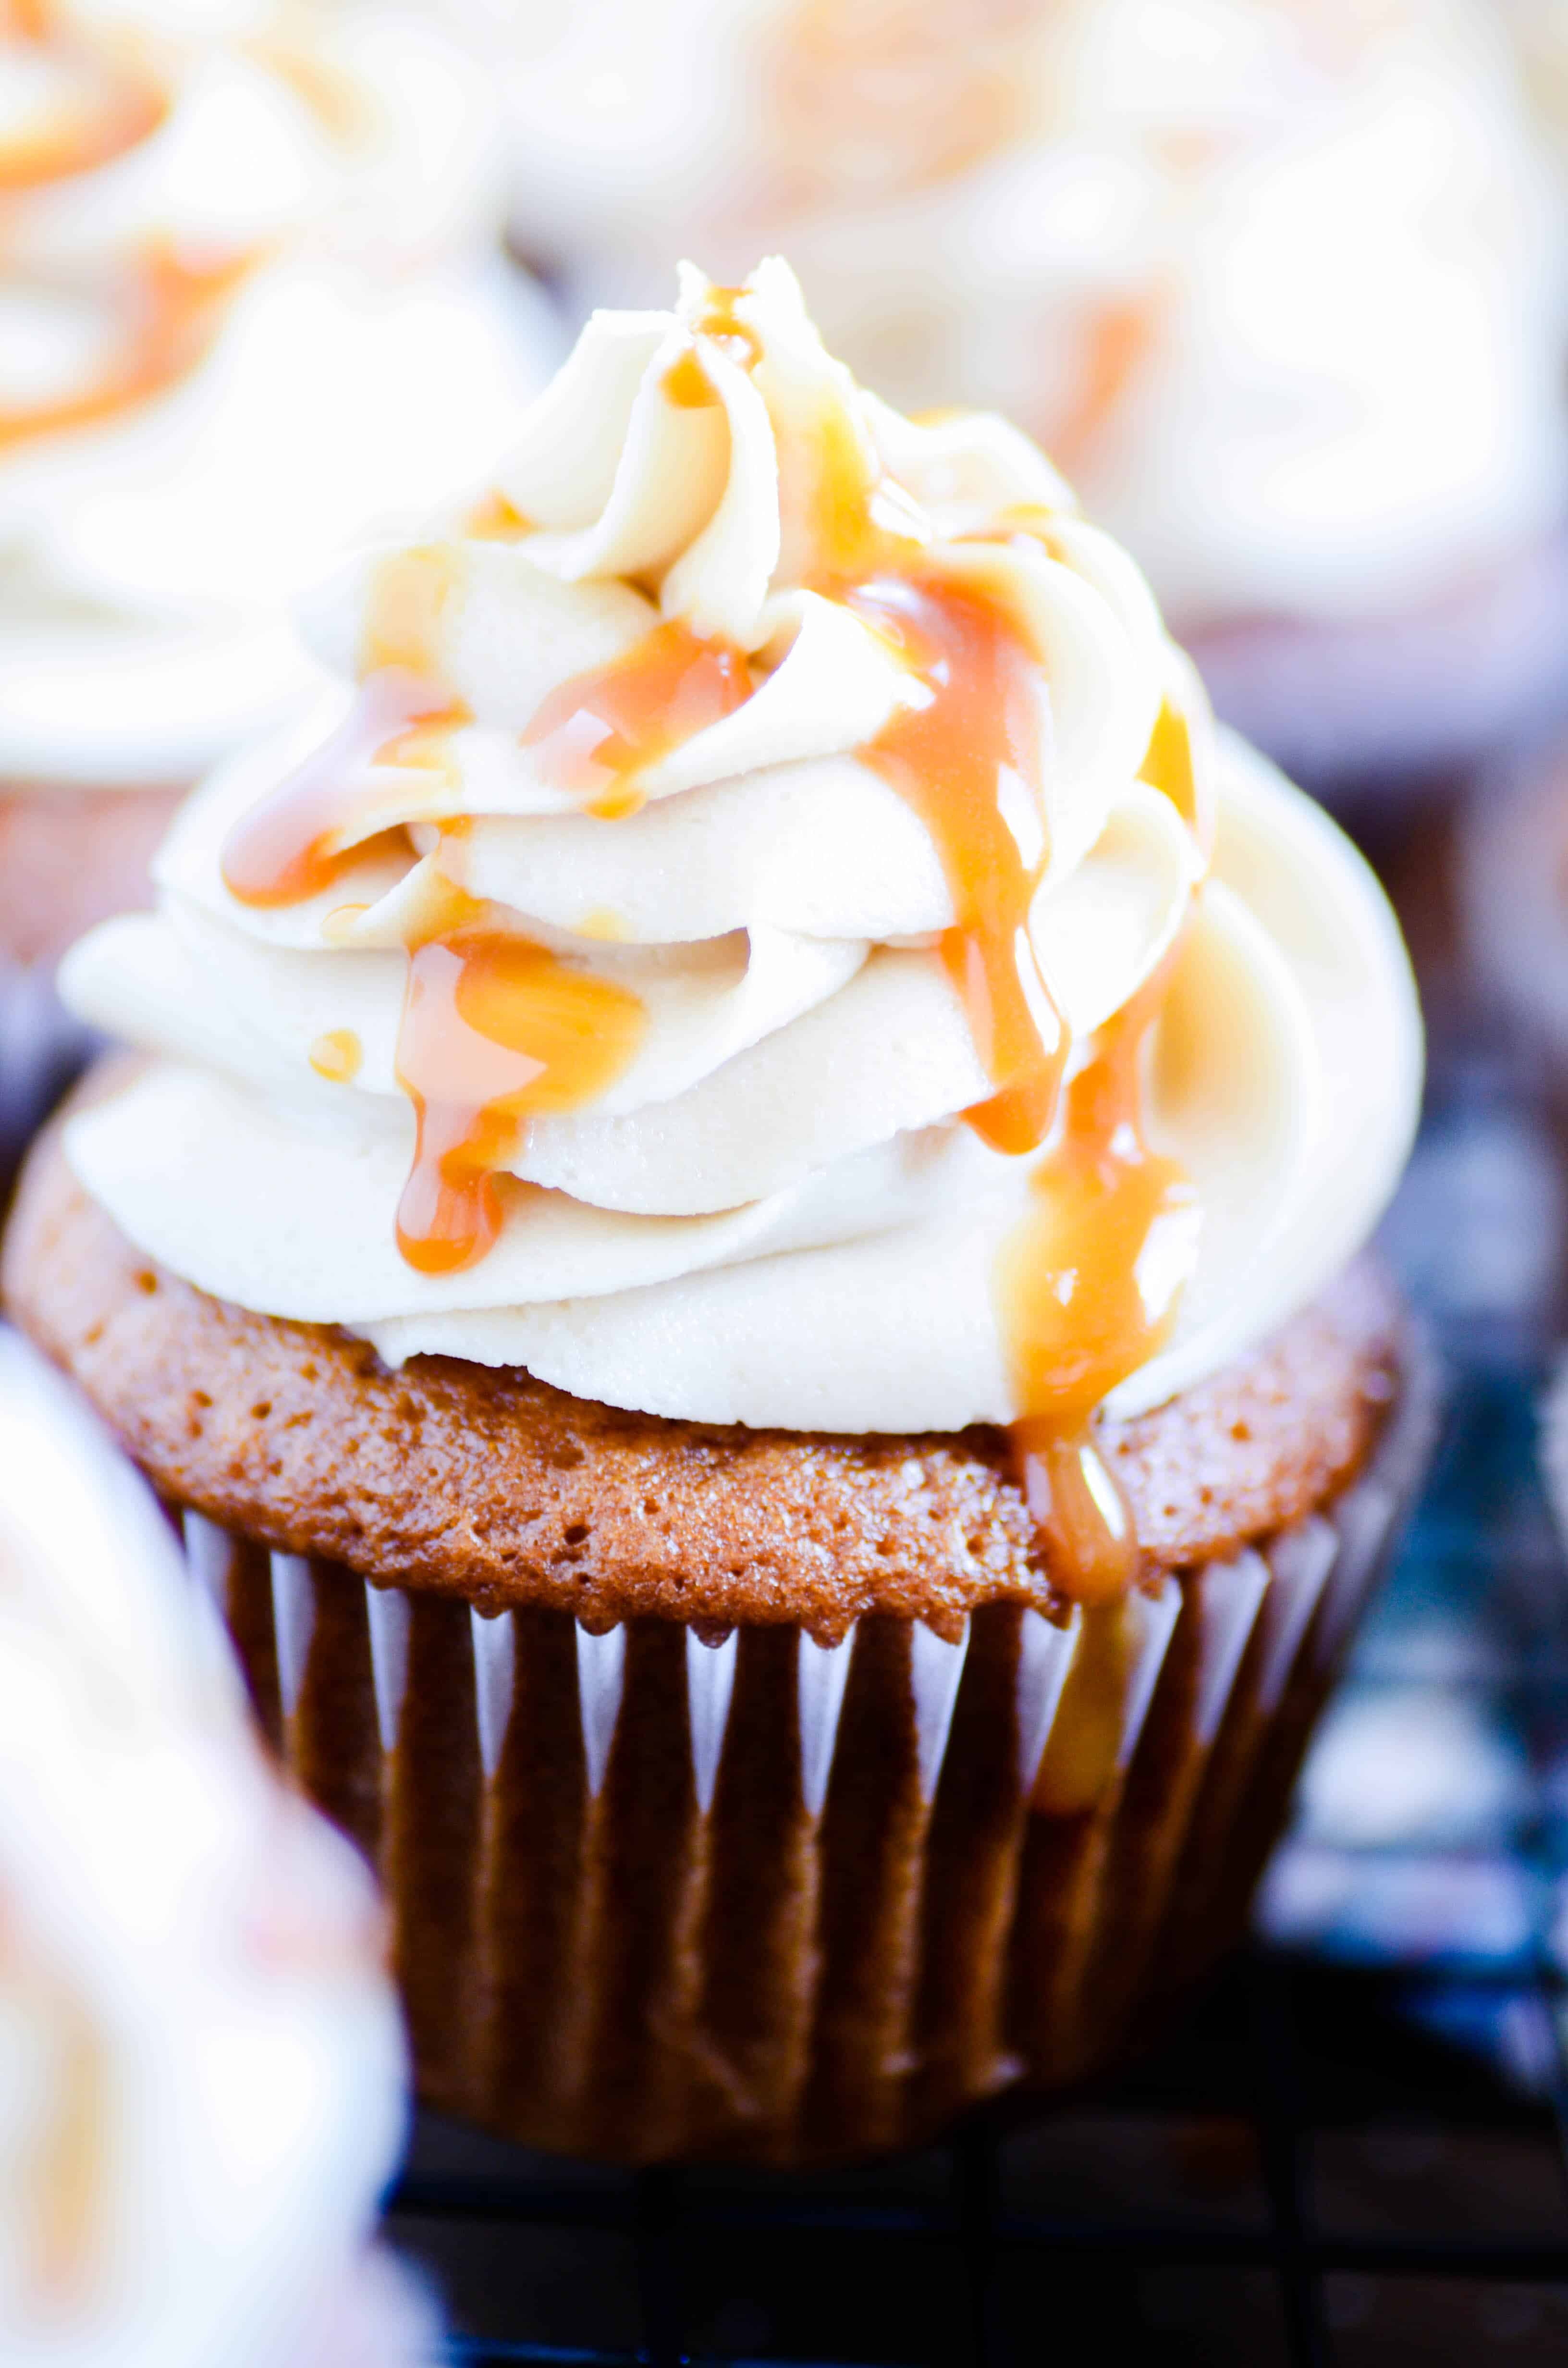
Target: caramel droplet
column 336, row 1055
column 688, row 384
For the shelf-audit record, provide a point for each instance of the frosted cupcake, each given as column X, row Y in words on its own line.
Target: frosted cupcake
column 247, row 309
column 1280, row 288
column 740, row 1242
column 203, row 2067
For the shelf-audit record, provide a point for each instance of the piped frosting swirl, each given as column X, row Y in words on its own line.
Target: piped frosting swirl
column 766, row 934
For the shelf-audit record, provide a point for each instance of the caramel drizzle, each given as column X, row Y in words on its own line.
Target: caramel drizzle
column 294, row 843
column 494, row 1030
column 1085, row 1303
column 948, row 761
column 1072, row 1281
column 595, row 734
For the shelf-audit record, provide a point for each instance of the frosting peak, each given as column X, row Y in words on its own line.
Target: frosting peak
column 742, row 836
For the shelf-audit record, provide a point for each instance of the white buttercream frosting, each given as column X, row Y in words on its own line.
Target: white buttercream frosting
column 1279, row 285
column 200, row 2055
column 772, row 1210
column 307, row 199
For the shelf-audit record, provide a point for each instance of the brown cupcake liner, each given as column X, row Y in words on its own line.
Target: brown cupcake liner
column 660, row 1894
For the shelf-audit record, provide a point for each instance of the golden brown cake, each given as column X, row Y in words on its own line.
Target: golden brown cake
column 738, row 1248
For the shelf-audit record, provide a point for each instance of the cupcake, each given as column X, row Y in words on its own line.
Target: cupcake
column 202, row 2058
column 1280, row 288
column 250, row 307
column 736, row 1227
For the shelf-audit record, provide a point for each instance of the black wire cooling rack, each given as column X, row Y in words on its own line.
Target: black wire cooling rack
column 1353, row 2148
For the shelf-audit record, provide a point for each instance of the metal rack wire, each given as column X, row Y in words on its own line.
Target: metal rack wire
column 1353, row 2148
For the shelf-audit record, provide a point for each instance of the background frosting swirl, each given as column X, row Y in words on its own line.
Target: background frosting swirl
column 247, row 310
column 774, row 1214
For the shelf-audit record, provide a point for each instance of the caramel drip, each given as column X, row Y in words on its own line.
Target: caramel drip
column 951, row 760
column 688, row 384
column 596, row 732
column 1088, row 1298
column 121, row 108
column 495, row 1029
column 295, row 841
column 174, row 311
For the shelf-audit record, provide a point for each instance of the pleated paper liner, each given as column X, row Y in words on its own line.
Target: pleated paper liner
column 657, row 1895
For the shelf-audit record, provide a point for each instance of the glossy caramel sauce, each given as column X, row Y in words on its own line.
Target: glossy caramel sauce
column 1084, row 1304
column 721, row 320
column 688, row 384
column 496, row 1029
column 294, row 842
column 598, row 732
column 947, row 760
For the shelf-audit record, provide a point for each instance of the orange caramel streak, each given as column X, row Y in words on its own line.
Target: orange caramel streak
column 948, row 761
column 295, row 841
column 1088, row 1298
column 595, row 734
column 495, row 1029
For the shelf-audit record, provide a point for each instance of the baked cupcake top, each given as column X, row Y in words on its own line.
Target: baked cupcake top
column 246, row 311
column 1279, row 285
column 203, row 2058
column 765, row 934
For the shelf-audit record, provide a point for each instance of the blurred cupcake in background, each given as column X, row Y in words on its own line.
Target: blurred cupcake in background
column 1279, row 286
column 201, row 2058
column 249, row 276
